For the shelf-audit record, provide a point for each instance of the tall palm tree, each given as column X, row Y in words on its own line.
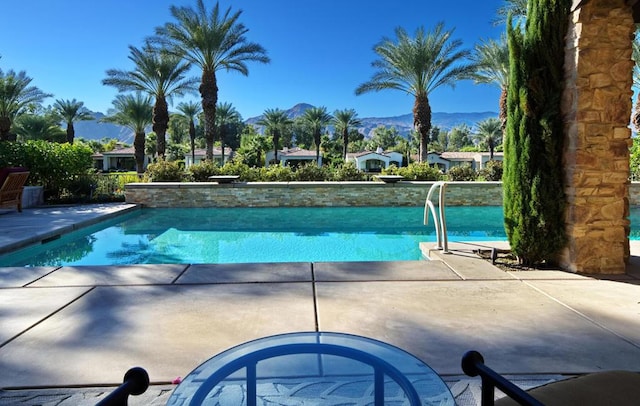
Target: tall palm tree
column 492, row 66
column 344, row 120
column 226, row 115
column 160, row 75
column 275, row 122
column 191, row 111
column 417, row 66
column 317, row 118
column 70, row 111
column 211, row 41
column 490, row 132
column 15, row 96
column 135, row 113
column 516, row 8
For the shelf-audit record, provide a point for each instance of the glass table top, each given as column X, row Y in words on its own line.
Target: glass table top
column 312, row 368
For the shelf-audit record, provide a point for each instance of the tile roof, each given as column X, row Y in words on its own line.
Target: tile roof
column 297, row 152
column 466, row 155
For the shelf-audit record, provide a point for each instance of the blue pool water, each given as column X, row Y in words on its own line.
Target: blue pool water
column 240, row 235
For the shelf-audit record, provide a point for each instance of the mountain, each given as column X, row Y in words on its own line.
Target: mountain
column 293, row 112
column 404, row 123
column 96, row 130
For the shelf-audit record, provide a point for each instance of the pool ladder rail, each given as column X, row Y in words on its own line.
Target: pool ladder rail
column 440, row 222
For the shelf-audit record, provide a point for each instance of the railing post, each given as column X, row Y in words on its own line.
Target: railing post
column 442, row 241
column 135, row 382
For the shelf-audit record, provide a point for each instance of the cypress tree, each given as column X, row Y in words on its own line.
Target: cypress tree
column 534, row 198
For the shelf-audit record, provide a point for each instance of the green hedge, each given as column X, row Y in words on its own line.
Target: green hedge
column 54, row 166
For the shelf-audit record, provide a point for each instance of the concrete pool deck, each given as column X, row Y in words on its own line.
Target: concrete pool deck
column 73, row 329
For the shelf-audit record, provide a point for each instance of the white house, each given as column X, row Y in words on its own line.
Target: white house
column 294, row 156
column 369, row 161
column 447, row 160
column 122, row 159
column 201, row 154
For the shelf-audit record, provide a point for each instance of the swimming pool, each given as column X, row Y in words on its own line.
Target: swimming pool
column 241, row 235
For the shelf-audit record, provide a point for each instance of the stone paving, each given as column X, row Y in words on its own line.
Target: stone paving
column 68, row 334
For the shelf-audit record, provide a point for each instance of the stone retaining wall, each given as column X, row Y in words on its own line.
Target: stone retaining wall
column 288, row 194
column 272, row 194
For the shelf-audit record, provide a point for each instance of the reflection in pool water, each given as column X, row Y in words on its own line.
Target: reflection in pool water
column 240, row 235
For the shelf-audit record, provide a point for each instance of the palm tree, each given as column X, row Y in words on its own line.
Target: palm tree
column 418, row 66
column 191, row 111
column 317, row 118
column 275, row 122
column 490, row 132
column 135, row 113
column 516, row 8
column 211, row 41
column 39, row 127
column 15, row 96
column 343, row 120
column 225, row 116
column 160, row 75
column 70, row 111
column 492, row 66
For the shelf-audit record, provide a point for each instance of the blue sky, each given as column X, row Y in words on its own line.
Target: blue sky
column 320, row 50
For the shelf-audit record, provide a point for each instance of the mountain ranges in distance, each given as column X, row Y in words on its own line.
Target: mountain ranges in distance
column 96, row 130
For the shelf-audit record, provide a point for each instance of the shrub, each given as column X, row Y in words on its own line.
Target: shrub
column 492, row 171
column 277, row 173
column 244, row 171
column 533, row 190
column 417, row 171
column 464, row 173
column 110, row 186
column 312, row 172
column 201, row 171
column 164, row 171
column 347, row 172
column 53, row 166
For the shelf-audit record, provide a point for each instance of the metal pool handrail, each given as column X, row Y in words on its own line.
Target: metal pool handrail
column 439, row 222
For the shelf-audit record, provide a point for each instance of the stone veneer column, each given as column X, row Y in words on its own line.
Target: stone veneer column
column 597, row 107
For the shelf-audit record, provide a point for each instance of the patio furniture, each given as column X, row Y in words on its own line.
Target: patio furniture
column 135, row 382
column 618, row 388
column 313, row 368
column 12, row 182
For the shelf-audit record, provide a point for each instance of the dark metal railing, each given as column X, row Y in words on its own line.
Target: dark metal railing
column 473, row 365
column 136, row 382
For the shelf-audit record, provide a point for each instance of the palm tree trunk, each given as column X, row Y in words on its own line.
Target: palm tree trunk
column 209, row 94
column 138, row 144
column 422, row 124
column 316, row 140
column 192, row 138
column 222, row 137
column 71, row 132
column 503, row 108
column 345, row 142
column 635, row 117
column 5, row 126
column 276, row 141
column 160, row 124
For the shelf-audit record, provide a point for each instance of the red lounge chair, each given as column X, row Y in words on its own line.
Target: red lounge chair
column 12, row 181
